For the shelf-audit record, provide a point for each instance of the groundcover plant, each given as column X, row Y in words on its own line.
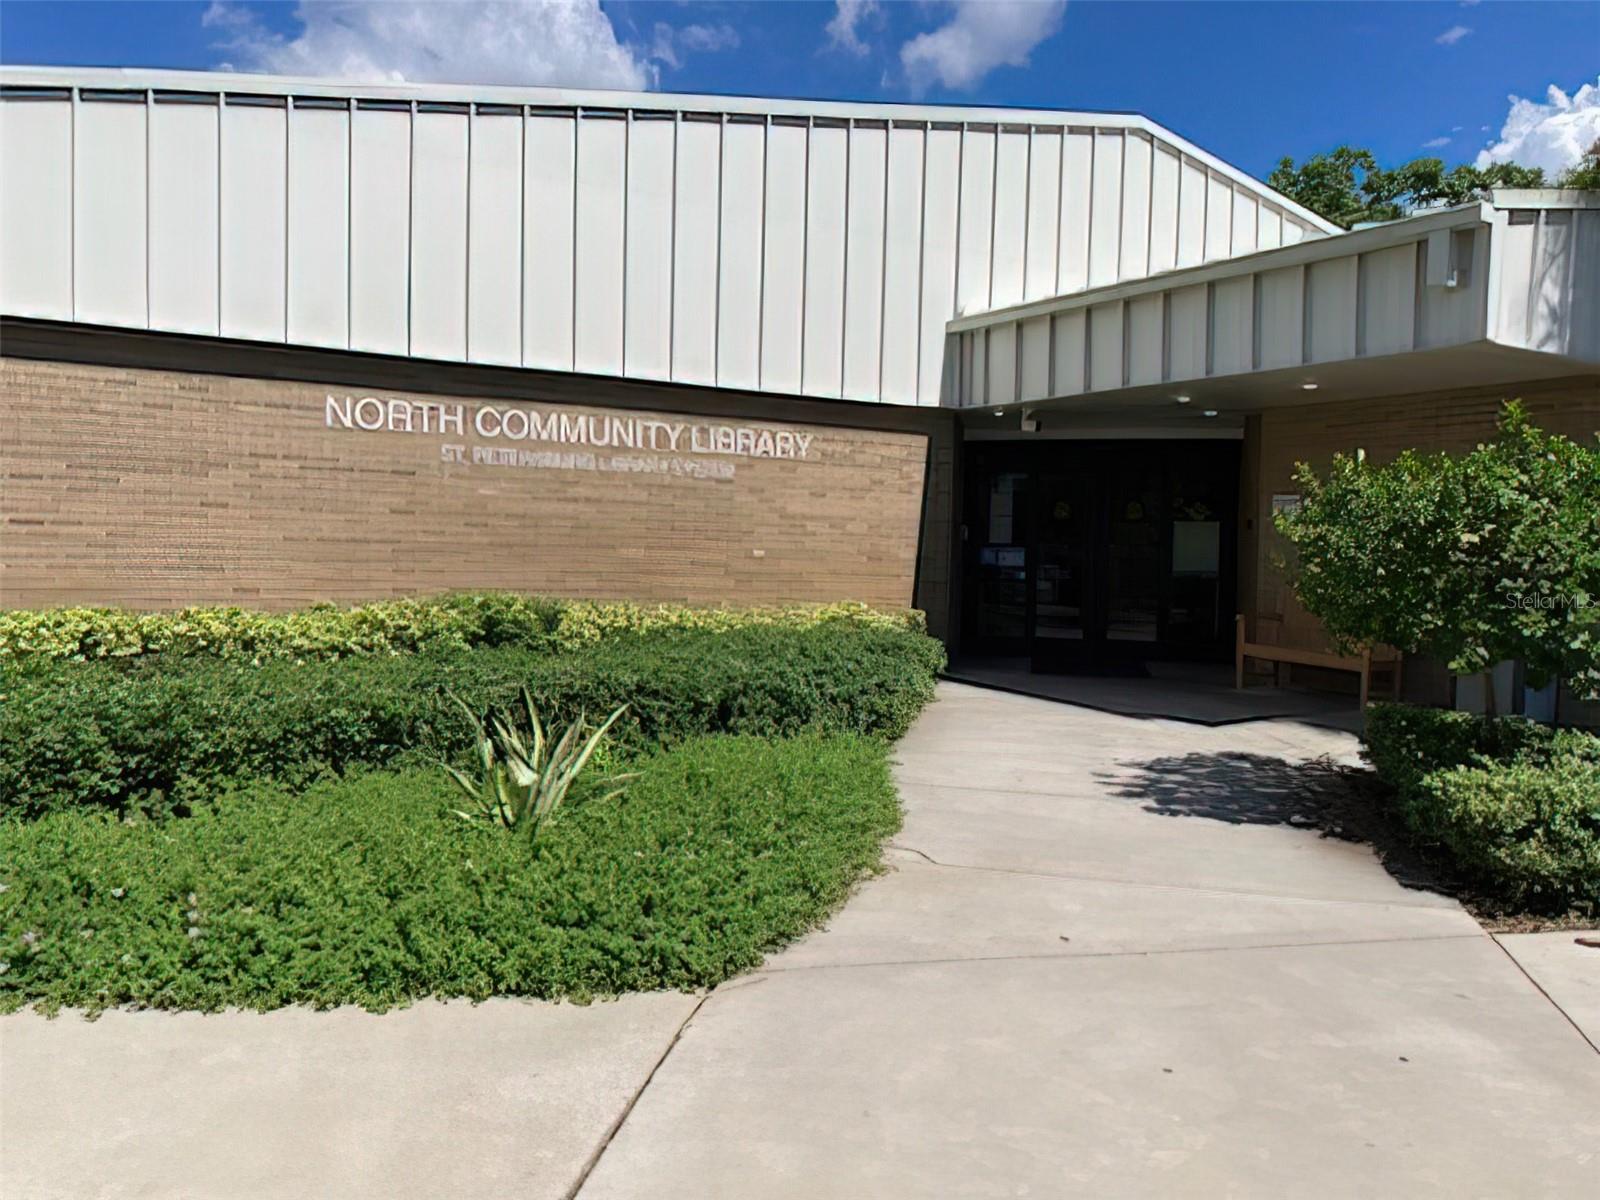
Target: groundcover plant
column 187, row 831
column 371, row 891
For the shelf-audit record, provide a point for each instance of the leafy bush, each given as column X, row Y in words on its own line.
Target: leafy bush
column 1471, row 559
column 1514, row 803
column 151, row 733
column 368, row 891
column 452, row 622
column 1530, row 834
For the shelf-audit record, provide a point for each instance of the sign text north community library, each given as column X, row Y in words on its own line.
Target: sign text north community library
column 374, row 414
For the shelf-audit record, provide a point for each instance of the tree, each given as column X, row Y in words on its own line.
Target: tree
column 1348, row 186
column 1328, row 184
column 1470, row 559
column 1423, row 182
column 1585, row 173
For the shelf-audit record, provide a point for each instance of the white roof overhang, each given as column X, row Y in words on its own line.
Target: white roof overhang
column 1484, row 294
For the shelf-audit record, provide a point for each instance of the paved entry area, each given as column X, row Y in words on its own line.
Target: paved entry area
column 1108, row 960
column 1108, row 963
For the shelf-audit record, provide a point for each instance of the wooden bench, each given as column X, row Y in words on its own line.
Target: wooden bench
column 1294, row 655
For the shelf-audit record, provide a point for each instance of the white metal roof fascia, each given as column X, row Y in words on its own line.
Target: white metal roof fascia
column 137, row 79
column 1357, row 241
column 1531, row 198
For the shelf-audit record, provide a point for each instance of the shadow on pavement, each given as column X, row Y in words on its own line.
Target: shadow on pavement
column 1242, row 788
column 1317, row 795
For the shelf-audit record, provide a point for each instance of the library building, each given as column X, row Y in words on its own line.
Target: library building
column 1044, row 375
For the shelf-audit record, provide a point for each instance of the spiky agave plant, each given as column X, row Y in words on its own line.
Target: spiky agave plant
column 522, row 775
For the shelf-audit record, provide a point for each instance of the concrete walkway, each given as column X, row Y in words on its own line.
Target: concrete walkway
column 1104, row 966
column 433, row 1102
column 1565, row 970
column 1105, row 962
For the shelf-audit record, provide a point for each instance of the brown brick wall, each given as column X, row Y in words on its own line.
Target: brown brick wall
column 1454, row 421
column 154, row 488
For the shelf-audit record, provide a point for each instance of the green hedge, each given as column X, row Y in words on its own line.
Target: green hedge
column 1515, row 804
column 367, row 891
column 452, row 622
column 152, row 733
column 1530, row 834
column 1404, row 743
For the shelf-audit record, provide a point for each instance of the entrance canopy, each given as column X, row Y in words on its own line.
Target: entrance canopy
column 1486, row 293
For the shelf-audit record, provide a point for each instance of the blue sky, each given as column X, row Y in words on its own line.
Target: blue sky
column 1248, row 81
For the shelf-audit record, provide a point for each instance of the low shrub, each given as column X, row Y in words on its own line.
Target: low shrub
column 1530, row 835
column 369, row 891
column 321, row 631
column 1513, row 803
column 1405, row 742
column 148, row 734
column 452, row 622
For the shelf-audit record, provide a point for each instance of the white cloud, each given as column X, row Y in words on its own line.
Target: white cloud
column 1452, row 35
column 1435, row 143
column 980, row 36
column 709, row 37
column 847, row 16
column 568, row 42
column 1552, row 135
column 670, row 44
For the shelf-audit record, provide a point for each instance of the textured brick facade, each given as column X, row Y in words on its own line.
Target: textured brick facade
column 155, row 488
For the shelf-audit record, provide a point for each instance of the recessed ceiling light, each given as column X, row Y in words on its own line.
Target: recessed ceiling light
column 1181, row 399
column 1211, row 412
column 1308, row 386
column 999, row 412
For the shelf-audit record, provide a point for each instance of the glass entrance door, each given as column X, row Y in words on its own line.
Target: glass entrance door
column 1131, row 553
column 1199, row 611
column 1063, row 618
column 1095, row 556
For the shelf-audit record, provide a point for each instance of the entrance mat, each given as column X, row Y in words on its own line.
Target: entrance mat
column 1202, row 694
